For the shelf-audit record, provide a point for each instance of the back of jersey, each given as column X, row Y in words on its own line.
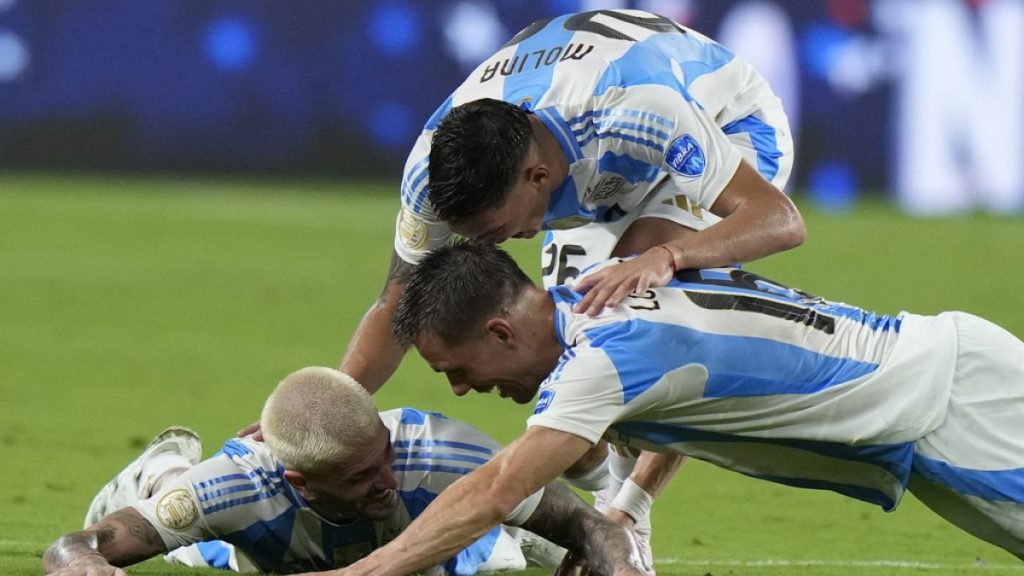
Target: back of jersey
column 575, row 56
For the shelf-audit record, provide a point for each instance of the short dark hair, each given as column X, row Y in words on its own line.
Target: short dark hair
column 476, row 153
column 454, row 288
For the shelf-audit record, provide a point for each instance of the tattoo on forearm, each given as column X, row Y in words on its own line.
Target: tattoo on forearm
column 570, row 522
column 124, row 537
column 398, row 273
column 136, row 526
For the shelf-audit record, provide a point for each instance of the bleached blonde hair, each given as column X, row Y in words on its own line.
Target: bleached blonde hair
column 316, row 417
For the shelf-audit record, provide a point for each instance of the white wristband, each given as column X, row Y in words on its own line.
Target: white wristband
column 633, row 500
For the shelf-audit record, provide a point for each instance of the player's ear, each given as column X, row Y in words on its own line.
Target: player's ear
column 296, row 479
column 538, row 175
column 500, row 328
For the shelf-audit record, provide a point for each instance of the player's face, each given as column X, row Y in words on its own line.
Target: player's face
column 482, row 366
column 363, row 485
column 521, row 216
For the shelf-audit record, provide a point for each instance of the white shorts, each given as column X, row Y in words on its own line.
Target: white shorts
column 970, row 470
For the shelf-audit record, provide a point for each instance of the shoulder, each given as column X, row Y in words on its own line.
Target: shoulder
column 411, row 427
column 432, row 451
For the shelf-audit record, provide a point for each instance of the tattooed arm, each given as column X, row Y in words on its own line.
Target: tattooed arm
column 570, row 522
column 373, row 353
column 122, row 538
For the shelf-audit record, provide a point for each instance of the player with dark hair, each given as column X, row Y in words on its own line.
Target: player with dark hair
column 475, row 157
column 617, row 132
column 729, row 367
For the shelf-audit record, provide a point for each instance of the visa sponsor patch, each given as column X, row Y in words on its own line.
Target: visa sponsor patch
column 544, row 401
column 685, row 156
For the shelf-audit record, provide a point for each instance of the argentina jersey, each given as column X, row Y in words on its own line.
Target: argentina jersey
column 239, row 497
column 635, row 101
column 741, row 371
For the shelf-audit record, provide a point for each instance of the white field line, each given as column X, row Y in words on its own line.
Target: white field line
column 905, row 564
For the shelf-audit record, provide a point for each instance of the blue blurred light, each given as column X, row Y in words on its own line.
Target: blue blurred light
column 395, row 29
column 563, row 6
column 819, row 45
column 391, row 124
column 833, row 186
column 231, row 43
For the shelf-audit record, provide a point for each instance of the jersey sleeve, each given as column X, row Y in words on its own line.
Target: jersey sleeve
column 177, row 512
column 689, row 146
column 417, row 229
column 583, row 396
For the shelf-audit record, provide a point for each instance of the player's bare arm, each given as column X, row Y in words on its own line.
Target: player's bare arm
column 476, row 503
column 373, row 354
column 585, row 532
column 757, row 220
column 122, row 538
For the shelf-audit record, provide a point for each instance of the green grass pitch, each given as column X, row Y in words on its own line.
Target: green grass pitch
column 129, row 304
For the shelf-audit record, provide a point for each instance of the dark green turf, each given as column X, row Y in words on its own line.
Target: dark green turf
column 130, row 304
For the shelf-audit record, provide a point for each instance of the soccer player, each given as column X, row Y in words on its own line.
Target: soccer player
column 333, row 480
column 612, row 130
column 728, row 367
column 618, row 132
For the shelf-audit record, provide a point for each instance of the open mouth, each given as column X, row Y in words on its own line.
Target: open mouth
column 381, row 498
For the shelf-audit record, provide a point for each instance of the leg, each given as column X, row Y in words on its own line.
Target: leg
column 970, row 470
column 971, row 515
column 175, row 449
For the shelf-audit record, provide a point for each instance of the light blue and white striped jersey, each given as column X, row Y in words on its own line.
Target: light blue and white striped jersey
column 633, row 98
column 738, row 370
column 240, row 496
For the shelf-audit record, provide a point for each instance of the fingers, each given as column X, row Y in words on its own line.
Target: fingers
column 610, row 286
column 610, row 289
column 594, row 300
column 254, row 430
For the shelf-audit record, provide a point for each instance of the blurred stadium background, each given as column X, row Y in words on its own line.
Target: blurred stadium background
column 197, row 198
column 921, row 98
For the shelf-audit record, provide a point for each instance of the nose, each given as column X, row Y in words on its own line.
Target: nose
column 386, row 479
column 459, row 387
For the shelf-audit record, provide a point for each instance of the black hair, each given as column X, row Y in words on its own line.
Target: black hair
column 455, row 288
column 476, row 154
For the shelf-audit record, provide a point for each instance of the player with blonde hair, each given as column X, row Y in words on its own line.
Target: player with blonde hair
column 333, row 481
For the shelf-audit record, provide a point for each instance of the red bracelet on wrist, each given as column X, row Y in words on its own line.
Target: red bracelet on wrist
column 671, row 257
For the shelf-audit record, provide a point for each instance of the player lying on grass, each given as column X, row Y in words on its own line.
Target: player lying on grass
column 728, row 367
column 333, row 480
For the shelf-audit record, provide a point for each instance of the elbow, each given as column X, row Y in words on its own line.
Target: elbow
column 792, row 231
